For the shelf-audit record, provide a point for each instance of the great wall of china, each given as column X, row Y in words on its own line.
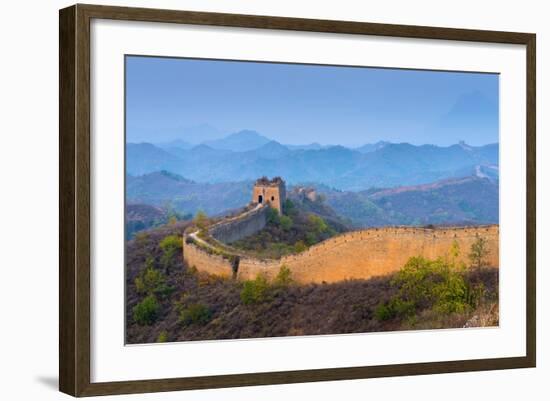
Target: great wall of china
column 354, row 255
column 359, row 254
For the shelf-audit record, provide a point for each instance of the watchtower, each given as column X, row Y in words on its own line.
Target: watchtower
column 271, row 192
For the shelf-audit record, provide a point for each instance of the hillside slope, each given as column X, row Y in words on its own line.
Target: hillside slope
column 194, row 306
column 140, row 217
column 304, row 223
column 186, row 196
column 460, row 201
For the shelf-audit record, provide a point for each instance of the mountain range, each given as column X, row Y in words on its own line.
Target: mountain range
column 458, row 201
column 168, row 190
column 247, row 155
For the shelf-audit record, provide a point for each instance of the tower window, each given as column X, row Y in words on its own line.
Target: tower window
column 272, row 198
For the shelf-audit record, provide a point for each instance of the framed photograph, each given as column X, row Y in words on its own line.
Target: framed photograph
column 250, row 200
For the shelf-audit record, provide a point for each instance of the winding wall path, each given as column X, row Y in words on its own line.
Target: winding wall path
column 354, row 255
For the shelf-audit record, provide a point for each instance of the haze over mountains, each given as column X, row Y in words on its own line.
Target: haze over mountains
column 246, row 155
column 458, row 201
column 375, row 184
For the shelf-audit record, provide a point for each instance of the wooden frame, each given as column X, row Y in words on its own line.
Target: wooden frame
column 74, row 199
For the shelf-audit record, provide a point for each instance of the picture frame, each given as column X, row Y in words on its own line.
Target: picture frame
column 76, row 201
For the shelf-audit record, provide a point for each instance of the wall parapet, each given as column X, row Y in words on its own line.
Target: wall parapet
column 210, row 262
column 358, row 254
column 235, row 228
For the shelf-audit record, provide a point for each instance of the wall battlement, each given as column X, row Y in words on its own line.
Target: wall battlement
column 354, row 255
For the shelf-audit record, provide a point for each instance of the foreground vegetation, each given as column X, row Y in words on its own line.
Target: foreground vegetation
column 169, row 301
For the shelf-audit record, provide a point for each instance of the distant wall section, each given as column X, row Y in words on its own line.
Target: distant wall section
column 244, row 225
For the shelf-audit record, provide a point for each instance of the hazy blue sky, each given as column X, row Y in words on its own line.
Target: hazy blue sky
column 189, row 99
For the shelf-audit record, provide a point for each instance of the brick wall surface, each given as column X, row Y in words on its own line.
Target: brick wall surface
column 232, row 230
column 203, row 261
column 357, row 255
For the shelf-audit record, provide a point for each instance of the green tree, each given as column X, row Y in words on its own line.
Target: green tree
column 288, row 207
column 201, row 220
column 311, row 238
column 396, row 307
column 255, row 291
column 162, row 337
column 195, row 314
column 454, row 252
column 300, row 246
column 150, row 279
column 172, row 215
column 284, row 277
column 438, row 284
column 286, row 223
column 317, row 224
column 478, row 252
column 146, row 312
column 170, row 245
column 272, row 216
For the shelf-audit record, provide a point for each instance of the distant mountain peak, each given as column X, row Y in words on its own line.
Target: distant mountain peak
column 395, row 164
column 372, row 147
column 245, row 133
column 311, row 146
column 272, row 149
column 202, row 147
column 274, row 145
column 173, row 176
column 464, row 145
column 240, row 141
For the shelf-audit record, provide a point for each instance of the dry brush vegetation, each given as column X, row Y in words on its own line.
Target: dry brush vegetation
column 169, row 301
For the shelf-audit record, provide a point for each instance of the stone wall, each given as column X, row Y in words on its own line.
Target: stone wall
column 206, row 262
column 375, row 252
column 357, row 255
column 233, row 229
column 249, row 268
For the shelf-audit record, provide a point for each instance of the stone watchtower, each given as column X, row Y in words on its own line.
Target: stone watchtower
column 271, row 192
